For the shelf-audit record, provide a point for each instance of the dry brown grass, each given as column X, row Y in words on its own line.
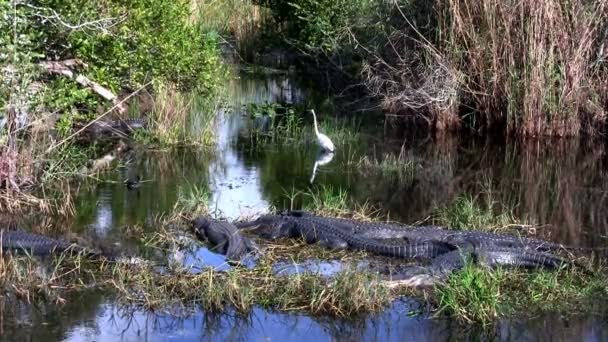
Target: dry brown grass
column 527, row 67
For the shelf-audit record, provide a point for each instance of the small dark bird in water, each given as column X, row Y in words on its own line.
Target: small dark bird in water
column 132, row 184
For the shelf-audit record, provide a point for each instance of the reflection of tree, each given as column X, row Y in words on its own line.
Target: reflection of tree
column 45, row 321
column 563, row 185
column 553, row 328
column 86, row 315
column 110, row 205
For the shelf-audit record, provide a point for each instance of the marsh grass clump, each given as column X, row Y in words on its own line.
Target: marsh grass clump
column 192, row 199
column 397, row 167
column 466, row 213
column 275, row 123
column 179, row 118
column 511, row 72
column 32, row 279
column 340, row 130
column 328, row 200
column 345, row 294
column 472, row 294
column 482, row 295
column 244, row 23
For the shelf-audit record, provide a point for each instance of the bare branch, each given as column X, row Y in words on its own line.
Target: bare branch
column 104, row 24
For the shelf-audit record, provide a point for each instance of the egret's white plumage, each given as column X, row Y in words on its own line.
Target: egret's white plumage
column 323, row 139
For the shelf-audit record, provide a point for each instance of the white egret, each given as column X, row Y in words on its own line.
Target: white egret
column 323, row 139
column 322, row 159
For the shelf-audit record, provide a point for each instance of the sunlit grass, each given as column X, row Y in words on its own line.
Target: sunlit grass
column 180, row 118
column 481, row 295
column 192, row 199
column 465, row 212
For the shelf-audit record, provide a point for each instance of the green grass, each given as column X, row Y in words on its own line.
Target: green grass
column 192, row 199
column 396, row 167
column 472, row 294
column 328, row 199
column 182, row 118
column 345, row 294
column 481, row 295
column 466, row 213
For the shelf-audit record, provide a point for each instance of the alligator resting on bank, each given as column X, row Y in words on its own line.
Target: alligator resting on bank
column 224, row 237
column 459, row 238
column 442, row 266
column 446, row 250
column 334, row 237
column 19, row 241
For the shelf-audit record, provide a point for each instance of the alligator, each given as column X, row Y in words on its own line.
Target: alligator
column 460, row 238
column 224, row 236
column 444, row 265
column 429, row 243
column 19, row 241
column 334, row 237
column 109, row 128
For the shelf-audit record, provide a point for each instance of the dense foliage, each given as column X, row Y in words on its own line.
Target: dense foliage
column 124, row 44
column 326, row 25
column 521, row 68
column 56, row 55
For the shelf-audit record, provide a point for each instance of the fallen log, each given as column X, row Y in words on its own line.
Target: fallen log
column 63, row 68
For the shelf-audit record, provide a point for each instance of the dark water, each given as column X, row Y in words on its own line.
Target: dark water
column 562, row 187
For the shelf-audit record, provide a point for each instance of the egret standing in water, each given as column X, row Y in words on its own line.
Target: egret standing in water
column 323, row 139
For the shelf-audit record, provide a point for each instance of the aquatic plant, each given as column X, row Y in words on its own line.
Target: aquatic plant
column 465, row 212
column 328, row 200
column 483, row 295
column 285, row 124
column 192, row 199
column 401, row 167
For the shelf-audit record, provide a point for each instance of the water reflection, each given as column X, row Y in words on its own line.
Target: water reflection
column 323, row 159
column 562, row 186
column 94, row 318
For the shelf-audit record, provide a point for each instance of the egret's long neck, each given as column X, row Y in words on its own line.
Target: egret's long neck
column 314, row 117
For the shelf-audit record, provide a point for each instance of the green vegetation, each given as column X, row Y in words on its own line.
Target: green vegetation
column 67, row 63
column 466, row 213
column 192, row 199
column 346, row 294
column 397, row 167
column 325, row 26
column 481, row 295
column 455, row 64
column 282, row 123
column 327, row 200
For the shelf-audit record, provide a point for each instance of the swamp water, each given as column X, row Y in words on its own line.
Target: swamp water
column 563, row 189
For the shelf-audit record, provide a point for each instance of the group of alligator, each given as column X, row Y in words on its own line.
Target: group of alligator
column 436, row 251
column 442, row 250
